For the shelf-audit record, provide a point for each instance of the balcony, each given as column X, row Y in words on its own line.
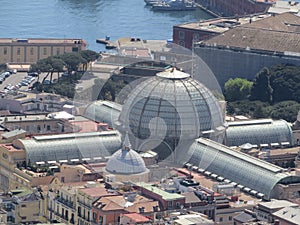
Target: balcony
column 65, row 202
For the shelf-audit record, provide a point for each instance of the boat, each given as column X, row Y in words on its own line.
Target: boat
column 174, row 5
column 152, row 2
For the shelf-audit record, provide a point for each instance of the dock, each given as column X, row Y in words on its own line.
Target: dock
column 207, row 10
column 108, row 44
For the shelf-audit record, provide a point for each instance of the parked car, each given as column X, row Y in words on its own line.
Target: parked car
column 6, row 74
column 33, row 74
column 14, row 71
column 46, row 82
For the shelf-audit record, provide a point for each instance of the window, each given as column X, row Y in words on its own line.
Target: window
column 48, row 127
column 94, row 217
column 196, row 37
column 230, row 218
column 5, row 51
column 181, row 34
column 45, row 51
column 221, row 219
column 58, row 51
column 100, row 220
column 18, row 51
column 75, row 49
column 23, row 206
column 23, row 217
column 79, row 211
column 31, row 51
column 181, row 43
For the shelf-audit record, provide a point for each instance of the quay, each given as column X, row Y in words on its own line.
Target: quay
column 108, row 44
column 206, row 10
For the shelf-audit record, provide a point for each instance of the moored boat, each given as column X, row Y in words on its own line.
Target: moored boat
column 174, row 5
column 151, row 2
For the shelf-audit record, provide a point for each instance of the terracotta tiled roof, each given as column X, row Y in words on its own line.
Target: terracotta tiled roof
column 96, row 192
column 111, row 203
column 137, row 218
column 285, row 22
column 46, row 180
column 280, row 33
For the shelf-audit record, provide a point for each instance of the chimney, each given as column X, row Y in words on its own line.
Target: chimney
column 142, row 210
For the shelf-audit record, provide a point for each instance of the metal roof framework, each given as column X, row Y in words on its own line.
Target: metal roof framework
column 72, row 147
column 258, row 132
column 245, row 170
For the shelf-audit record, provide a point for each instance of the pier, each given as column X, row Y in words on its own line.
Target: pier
column 207, row 10
column 108, row 44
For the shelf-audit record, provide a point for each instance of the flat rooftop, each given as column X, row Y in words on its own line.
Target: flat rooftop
column 41, row 41
column 244, row 198
column 220, row 25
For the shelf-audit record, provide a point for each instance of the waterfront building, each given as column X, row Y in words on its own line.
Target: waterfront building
column 244, row 50
column 236, row 7
column 30, row 50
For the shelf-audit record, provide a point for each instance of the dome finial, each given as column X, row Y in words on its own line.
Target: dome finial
column 126, row 143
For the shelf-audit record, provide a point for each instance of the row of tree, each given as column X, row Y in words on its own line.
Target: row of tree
column 275, row 93
column 68, row 61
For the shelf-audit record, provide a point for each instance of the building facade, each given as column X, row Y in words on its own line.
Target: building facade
column 236, row 7
column 27, row 51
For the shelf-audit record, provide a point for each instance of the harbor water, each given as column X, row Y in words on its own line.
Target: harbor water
column 89, row 20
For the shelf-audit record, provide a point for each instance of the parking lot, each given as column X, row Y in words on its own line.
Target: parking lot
column 14, row 81
column 19, row 81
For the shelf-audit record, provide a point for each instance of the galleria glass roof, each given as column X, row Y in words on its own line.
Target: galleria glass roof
column 171, row 105
column 258, row 132
column 72, row 147
column 247, row 171
column 103, row 111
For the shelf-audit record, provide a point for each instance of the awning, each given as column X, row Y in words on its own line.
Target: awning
column 285, row 143
column 74, row 160
column 63, row 161
column 220, row 178
column 274, row 144
column 86, row 159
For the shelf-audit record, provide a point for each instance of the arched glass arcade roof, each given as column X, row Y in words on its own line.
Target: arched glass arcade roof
column 258, row 132
column 71, row 147
column 238, row 167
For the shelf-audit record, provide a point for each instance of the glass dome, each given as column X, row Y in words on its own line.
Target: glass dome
column 171, row 105
column 126, row 161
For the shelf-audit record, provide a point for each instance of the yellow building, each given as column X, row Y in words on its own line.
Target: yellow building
column 23, row 206
column 27, row 51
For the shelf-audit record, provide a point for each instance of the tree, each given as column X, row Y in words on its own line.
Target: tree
column 57, row 65
column 72, row 61
column 237, row 89
column 285, row 81
column 89, row 56
column 287, row 110
column 262, row 89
